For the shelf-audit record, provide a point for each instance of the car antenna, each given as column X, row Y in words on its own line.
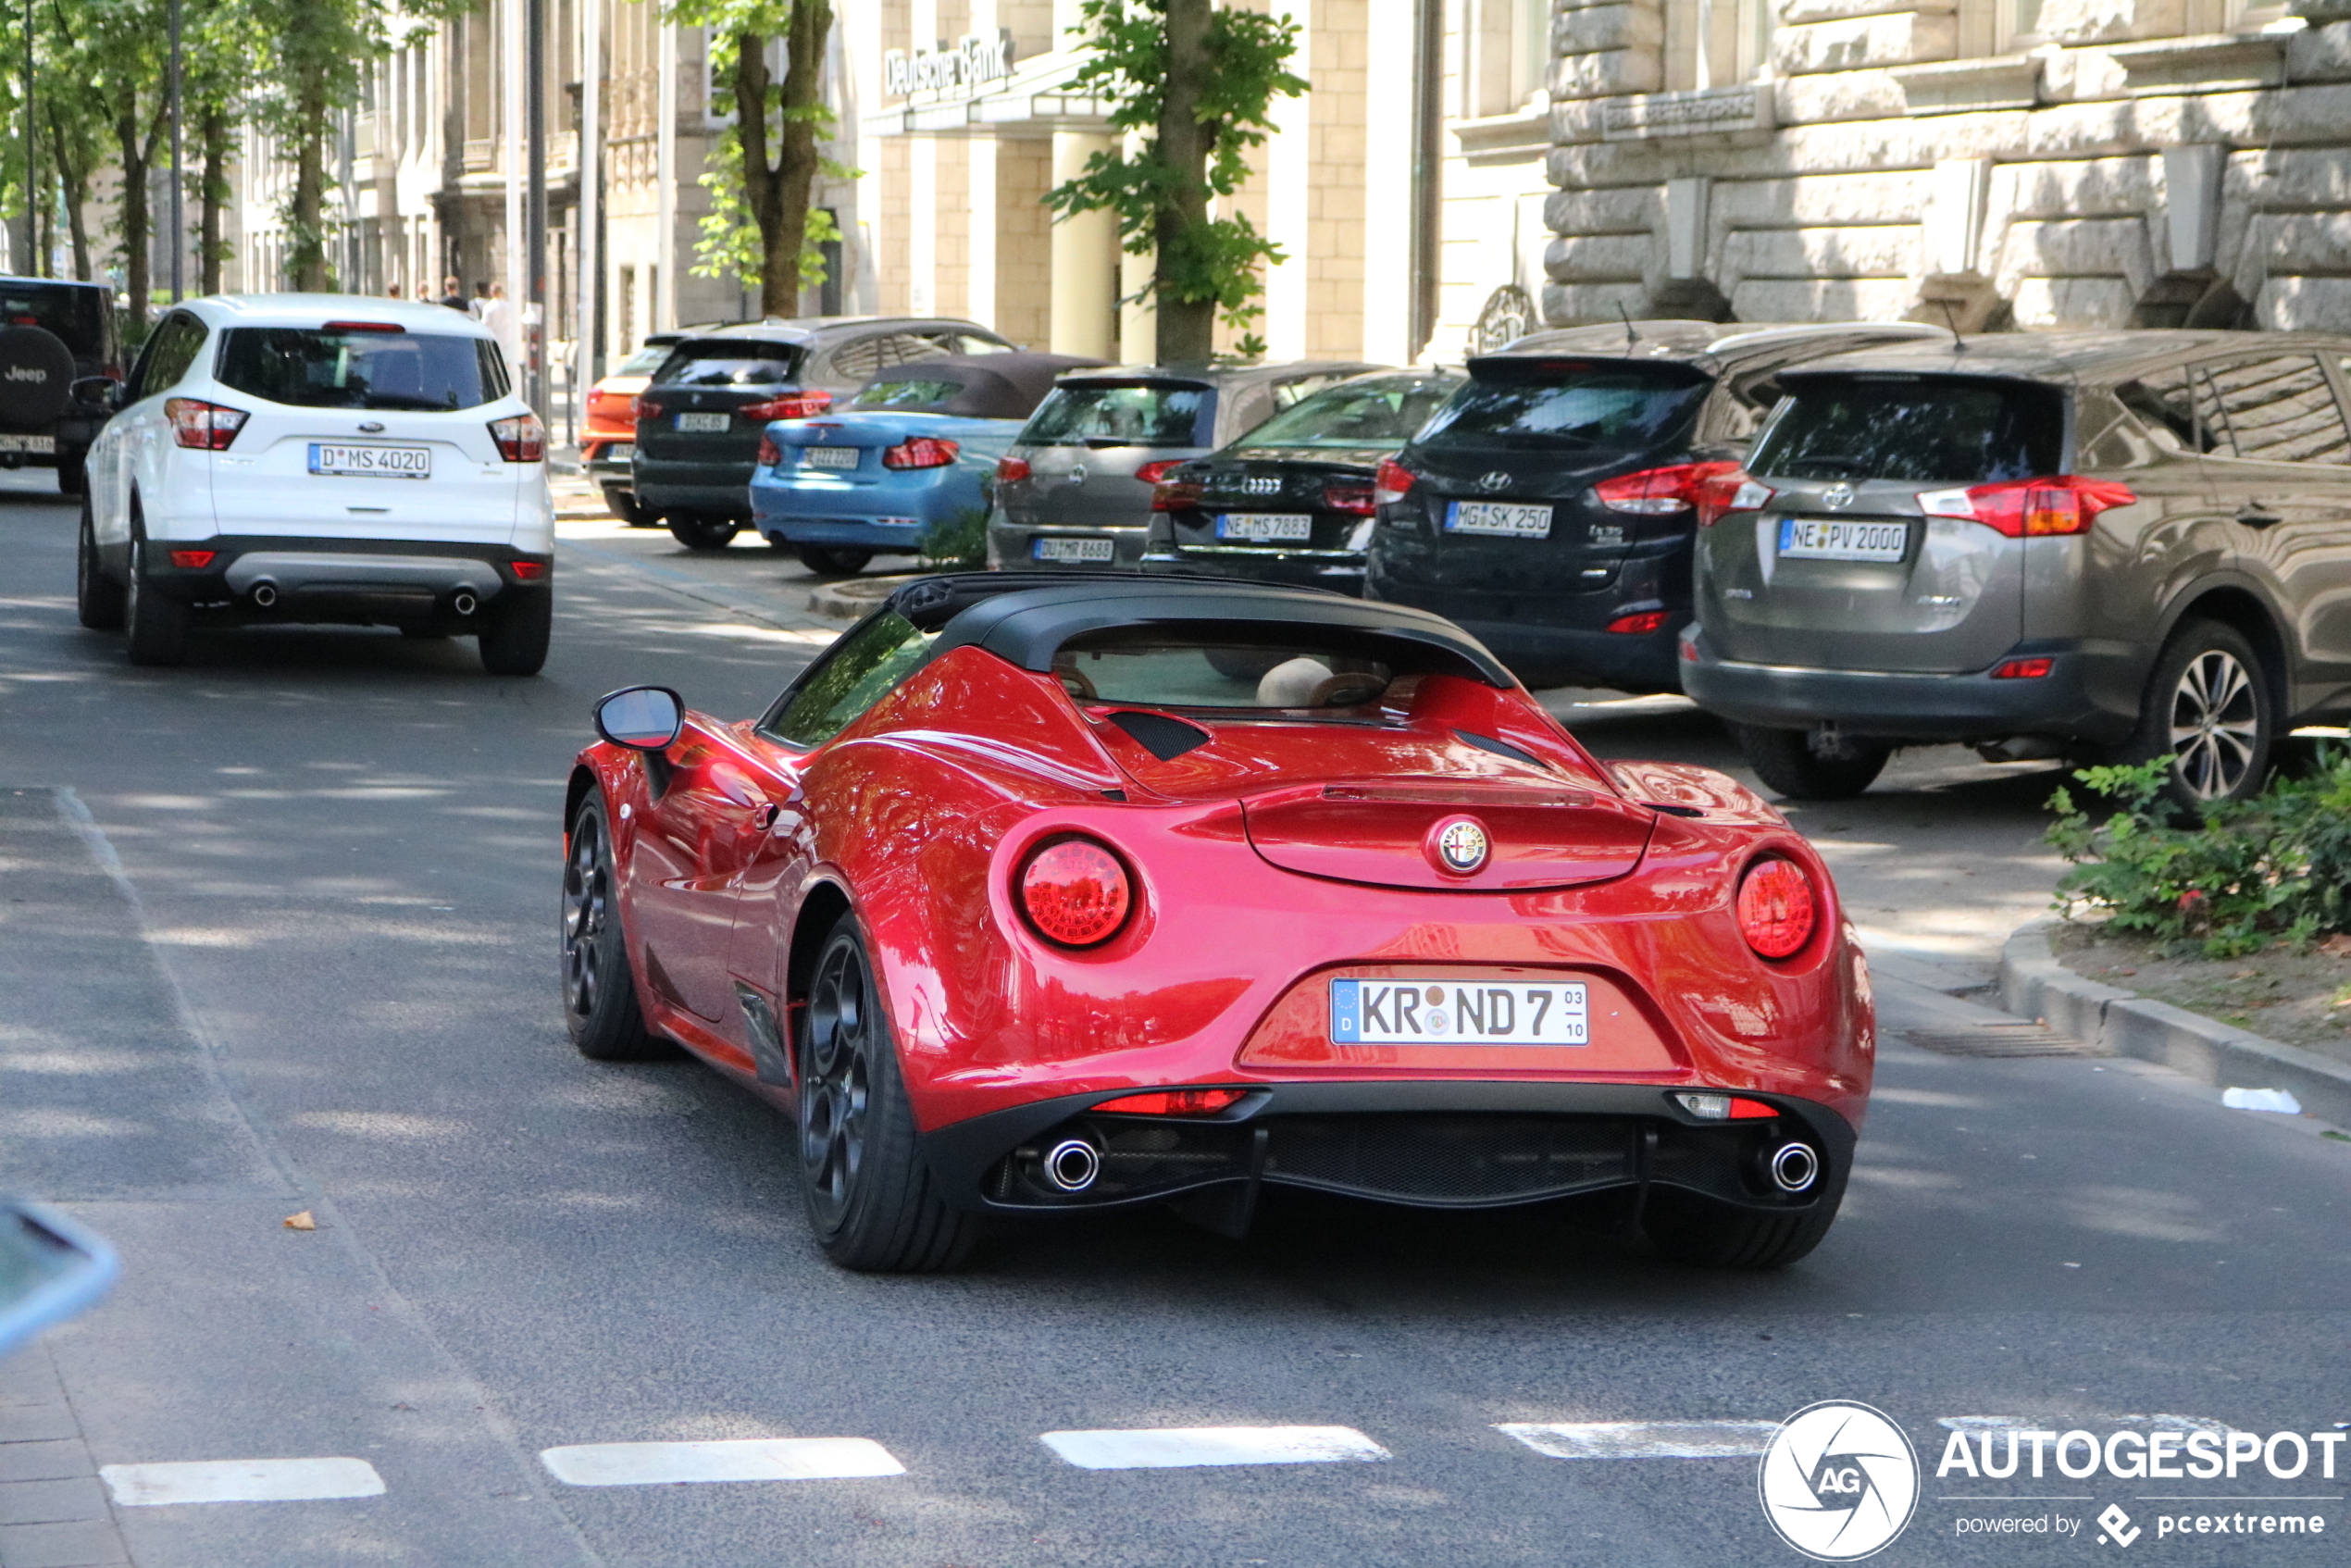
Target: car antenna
column 1958, row 343
column 1631, row 337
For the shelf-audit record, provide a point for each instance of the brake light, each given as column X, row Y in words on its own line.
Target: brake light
column 805, row 405
column 921, row 451
column 1658, row 492
column 528, row 571
column 1640, row 622
column 2030, row 508
column 769, row 453
column 1355, row 500
column 2023, row 670
column 1718, row 1108
column 1151, row 473
column 1173, row 1103
column 1776, row 907
column 1731, row 490
column 1392, row 484
column 1075, row 892
column 207, row 427
column 365, row 327
column 1175, row 496
column 192, row 560
column 1011, row 470
column 520, row 437
column 642, row 408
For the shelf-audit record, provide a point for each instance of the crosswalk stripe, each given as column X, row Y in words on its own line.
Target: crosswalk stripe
column 1170, row 1448
column 240, row 1480
column 747, row 1459
column 1643, row 1440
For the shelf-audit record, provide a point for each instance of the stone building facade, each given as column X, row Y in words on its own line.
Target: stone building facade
column 2030, row 163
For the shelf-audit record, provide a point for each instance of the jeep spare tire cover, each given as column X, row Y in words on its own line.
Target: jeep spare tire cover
column 36, row 377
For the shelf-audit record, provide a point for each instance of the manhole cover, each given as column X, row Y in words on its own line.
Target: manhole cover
column 2001, row 1039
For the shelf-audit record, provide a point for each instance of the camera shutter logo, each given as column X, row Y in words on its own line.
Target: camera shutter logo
column 1839, row 1481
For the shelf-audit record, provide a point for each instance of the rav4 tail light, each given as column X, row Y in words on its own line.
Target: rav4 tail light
column 1731, row 490
column 1658, row 492
column 1075, row 892
column 1173, row 1103
column 2030, row 508
column 1393, row 483
column 1011, row 470
column 520, row 437
column 803, row 405
column 207, row 427
column 1776, row 908
column 921, row 451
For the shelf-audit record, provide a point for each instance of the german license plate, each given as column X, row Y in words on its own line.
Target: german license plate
column 1072, row 550
column 621, row 451
column 1266, row 528
column 705, row 424
column 830, row 456
column 372, row 462
column 1447, row 1012
column 27, row 443
column 1498, row 517
column 1842, row 538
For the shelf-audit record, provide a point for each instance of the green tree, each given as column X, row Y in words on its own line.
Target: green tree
column 1197, row 84
column 113, row 54
column 765, row 165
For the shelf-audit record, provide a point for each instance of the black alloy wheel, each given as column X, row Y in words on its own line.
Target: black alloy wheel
column 872, row 1203
column 515, row 629
column 157, row 624
column 600, row 995
column 832, row 560
column 2208, row 707
column 1804, row 766
column 697, row 530
column 100, row 601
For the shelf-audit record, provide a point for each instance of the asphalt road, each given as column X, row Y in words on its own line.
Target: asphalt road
column 279, row 938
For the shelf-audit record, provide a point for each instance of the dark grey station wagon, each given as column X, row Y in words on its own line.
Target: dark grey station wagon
column 2115, row 545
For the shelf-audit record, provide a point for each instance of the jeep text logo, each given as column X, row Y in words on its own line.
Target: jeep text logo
column 26, row 373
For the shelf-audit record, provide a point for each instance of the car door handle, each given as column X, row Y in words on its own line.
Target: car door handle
column 2252, row 515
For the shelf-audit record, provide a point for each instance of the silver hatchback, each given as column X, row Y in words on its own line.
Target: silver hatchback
column 2115, row 546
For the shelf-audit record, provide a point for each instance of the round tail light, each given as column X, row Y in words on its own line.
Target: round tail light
column 1075, row 892
column 1777, row 909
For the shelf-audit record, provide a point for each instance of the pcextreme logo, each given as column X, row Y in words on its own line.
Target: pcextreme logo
column 1839, row 1481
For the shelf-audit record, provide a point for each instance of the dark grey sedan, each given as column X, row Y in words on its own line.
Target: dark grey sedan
column 2116, row 545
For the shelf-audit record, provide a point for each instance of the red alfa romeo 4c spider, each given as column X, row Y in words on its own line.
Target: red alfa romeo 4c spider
column 1040, row 896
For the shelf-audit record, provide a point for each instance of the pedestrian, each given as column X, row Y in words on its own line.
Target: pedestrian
column 396, row 293
column 450, row 296
column 497, row 312
column 480, row 301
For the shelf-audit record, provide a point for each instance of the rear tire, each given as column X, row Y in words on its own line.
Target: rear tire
column 873, row 1205
column 158, row 626
column 2208, row 707
column 623, row 505
column 600, row 994
column 515, row 640
column 832, row 560
column 97, row 598
column 1788, row 762
column 1704, row 1234
column 697, row 532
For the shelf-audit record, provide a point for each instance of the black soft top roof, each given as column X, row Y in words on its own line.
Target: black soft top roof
column 992, row 386
column 1025, row 617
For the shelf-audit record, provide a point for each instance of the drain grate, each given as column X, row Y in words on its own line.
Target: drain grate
column 2001, row 1039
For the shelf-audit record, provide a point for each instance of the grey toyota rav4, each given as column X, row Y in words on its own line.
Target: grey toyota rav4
column 2113, row 546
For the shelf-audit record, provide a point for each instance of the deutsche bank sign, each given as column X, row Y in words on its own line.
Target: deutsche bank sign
column 974, row 62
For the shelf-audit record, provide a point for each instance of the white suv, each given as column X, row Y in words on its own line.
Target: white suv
column 320, row 457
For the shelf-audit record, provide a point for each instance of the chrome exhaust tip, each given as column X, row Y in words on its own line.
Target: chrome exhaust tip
column 1072, row 1165
column 463, row 603
column 265, row 593
column 1795, row 1168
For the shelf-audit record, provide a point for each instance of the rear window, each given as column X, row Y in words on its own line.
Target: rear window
column 644, row 362
column 730, row 363
column 1373, row 414
column 316, row 368
column 76, row 316
column 1545, row 407
column 915, row 395
column 1921, row 429
column 1129, row 414
column 1255, row 668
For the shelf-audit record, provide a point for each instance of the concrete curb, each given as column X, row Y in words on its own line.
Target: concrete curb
column 852, row 598
column 2034, row 984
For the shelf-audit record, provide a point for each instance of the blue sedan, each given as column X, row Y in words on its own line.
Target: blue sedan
column 905, row 459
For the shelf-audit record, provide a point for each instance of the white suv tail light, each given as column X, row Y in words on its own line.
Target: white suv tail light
column 206, row 426
column 521, row 438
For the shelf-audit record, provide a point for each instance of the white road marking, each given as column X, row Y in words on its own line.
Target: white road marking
column 748, row 1459
column 241, row 1480
column 1177, row 1447
column 1643, row 1440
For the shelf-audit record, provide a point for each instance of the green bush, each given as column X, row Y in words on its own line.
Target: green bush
column 2275, row 866
column 961, row 541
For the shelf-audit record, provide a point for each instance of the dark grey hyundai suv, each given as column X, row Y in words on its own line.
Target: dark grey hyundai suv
column 2113, row 546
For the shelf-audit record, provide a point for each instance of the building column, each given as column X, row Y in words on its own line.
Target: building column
column 1289, row 203
column 1085, row 287
column 980, row 245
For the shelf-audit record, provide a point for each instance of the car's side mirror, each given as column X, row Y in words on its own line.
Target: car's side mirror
column 100, row 390
column 643, row 719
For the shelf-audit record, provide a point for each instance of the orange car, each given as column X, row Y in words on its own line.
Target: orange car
column 609, row 440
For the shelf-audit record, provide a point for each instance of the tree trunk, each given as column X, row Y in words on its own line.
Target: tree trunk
column 137, row 284
column 307, row 256
column 75, row 184
column 778, row 193
column 1186, row 327
column 212, row 138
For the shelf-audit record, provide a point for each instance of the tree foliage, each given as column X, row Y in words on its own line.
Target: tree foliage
column 1197, row 85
